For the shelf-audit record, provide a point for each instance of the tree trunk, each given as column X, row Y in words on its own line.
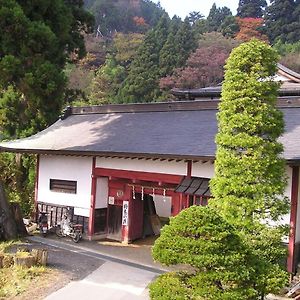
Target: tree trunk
column 7, row 221
column 18, row 217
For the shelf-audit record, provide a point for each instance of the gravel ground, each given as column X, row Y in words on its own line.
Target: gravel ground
column 65, row 266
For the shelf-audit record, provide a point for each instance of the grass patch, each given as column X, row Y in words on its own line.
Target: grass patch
column 5, row 246
column 16, row 280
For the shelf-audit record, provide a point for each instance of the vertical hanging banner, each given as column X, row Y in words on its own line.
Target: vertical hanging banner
column 125, row 213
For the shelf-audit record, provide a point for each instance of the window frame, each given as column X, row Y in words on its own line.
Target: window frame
column 63, row 186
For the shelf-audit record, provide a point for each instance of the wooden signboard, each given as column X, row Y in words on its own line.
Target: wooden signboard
column 125, row 213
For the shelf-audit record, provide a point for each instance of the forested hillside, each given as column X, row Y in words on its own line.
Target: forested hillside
column 141, row 53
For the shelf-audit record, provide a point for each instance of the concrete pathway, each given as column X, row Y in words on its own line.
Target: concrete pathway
column 111, row 281
column 116, row 279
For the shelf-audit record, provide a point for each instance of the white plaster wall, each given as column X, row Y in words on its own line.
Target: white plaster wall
column 85, row 212
column 66, row 168
column 163, row 205
column 157, row 166
column 200, row 169
column 101, row 192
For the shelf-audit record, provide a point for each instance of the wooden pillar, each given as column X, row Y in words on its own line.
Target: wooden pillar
column 36, row 185
column 293, row 220
column 91, row 229
column 176, row 202
column 189, row 169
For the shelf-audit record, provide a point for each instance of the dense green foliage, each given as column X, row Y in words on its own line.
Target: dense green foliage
column 124, row 15
column 290, row 54
column 232, row 249
column 165, row 47
column 167, row 56
column 250, row 182
column 36, row 41
column 282, row 21
column 223, row 266
column 33, row 53
column 204, row 67
column 217, row 17
column 141, row 83
column 251, row 8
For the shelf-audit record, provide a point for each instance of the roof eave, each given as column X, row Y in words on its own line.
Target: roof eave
column 110, row 154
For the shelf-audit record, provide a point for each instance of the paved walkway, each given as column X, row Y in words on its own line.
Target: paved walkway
column 117, row 278
column 111, row 281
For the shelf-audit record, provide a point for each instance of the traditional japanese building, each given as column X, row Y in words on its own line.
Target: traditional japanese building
column 119, row 167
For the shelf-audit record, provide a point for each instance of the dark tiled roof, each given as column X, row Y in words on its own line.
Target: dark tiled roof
column 286, row 71
column 183, row 130
column 194, row 186
column 287, row 88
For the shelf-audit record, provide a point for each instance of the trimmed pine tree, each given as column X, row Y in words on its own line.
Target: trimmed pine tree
column 250, row 172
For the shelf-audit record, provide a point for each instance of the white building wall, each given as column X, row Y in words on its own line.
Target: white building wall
column 203, row 169
column 163, row 205
column 66, row 168
column 157, row 166
column 101, row 192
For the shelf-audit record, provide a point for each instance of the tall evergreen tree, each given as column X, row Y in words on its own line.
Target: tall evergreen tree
column 35, row 43
column 229, row 27
column 184, row 43
column 168, row 57
column 251, row 8
column 118, row 15
column 195, row 16
column 141, row 85
column 216, row 17
column 282, row 21
column 37, row 38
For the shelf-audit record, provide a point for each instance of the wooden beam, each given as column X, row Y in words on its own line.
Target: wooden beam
column 144, row 176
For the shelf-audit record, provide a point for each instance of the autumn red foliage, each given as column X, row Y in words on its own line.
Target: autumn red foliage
column 204, row 67
column 139, row 21
column 249, row 29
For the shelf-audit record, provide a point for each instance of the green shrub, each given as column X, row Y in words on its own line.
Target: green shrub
column 170, row 286
column 200, row 238
column 224, row 264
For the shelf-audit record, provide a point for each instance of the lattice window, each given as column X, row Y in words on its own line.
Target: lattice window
column 63, row 186
column 198, row 200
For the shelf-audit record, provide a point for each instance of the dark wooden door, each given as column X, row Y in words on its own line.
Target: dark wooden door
column 114, row 230
column 136, row 213
column 100, row 220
